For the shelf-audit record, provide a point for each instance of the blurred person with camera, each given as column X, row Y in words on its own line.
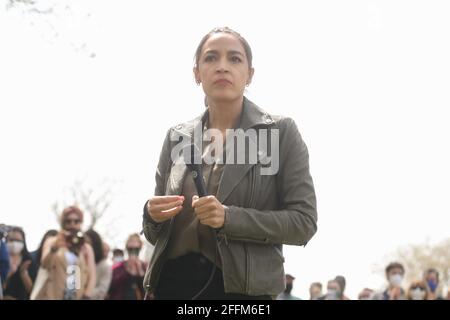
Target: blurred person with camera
column 68, row 261
column 19, row 280
column 128, row 275
column 103, row 266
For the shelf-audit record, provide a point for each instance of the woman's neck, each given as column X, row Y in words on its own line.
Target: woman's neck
column 224, row 115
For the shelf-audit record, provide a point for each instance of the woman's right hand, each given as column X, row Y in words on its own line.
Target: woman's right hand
column 162, row 208
column 59, row 241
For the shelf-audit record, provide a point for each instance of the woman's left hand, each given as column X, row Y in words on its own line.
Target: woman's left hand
column 24, row 267
column 209, row 211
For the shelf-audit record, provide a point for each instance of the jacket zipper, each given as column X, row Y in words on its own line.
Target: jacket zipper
column 247, row 269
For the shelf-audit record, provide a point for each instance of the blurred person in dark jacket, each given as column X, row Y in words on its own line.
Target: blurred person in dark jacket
column 286, row 294
column 37, row 254
column 19, row 281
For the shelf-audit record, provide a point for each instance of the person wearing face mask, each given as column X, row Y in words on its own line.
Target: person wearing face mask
column 68, row 261
column 117, row 256
column 341, row 281
column 418, row 291
column 128, row 275
column 19, row 281
column 286, row 294
column 334, row 291
column 394, row 274
column 431, row 277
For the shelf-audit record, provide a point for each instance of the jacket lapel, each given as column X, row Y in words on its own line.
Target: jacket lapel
column 233, row 173
column 252, row 116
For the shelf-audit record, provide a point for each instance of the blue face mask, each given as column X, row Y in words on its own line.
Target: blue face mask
column 432, row 284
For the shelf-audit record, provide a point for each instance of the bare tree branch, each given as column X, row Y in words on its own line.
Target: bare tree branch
column 93, row 201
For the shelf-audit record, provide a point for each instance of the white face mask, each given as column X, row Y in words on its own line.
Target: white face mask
column 417, row 294
column 332, row 294
column 396, row 279
column 117, row 259
column 15, row 247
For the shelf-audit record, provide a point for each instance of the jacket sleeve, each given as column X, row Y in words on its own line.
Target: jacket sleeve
column 296, row 221
column 150, row 227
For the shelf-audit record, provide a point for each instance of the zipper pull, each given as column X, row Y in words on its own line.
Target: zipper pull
column 222, row 236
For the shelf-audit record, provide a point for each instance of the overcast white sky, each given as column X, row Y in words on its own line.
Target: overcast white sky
column 91, row 89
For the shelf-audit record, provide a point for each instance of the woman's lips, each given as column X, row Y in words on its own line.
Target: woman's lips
column 222, row 81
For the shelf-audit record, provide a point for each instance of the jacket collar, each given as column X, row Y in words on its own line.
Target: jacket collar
column 251, row 116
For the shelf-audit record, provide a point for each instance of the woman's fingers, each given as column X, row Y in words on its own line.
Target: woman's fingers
column 164, row 199
column 198, row 202
column 166, row 214
column 205, row 209
column 164, row 206
column 161, row 208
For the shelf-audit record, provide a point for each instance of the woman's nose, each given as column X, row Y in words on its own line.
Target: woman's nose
column 222, row 66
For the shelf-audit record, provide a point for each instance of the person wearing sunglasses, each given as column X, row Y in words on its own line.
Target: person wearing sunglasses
column 128, row 275
column 69, row 261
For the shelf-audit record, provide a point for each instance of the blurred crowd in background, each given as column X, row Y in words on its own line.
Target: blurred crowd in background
column 70, row 264
column 427, row 288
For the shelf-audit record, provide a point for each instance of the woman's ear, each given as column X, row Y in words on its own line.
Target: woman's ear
column 196, row 75
column 250, row 75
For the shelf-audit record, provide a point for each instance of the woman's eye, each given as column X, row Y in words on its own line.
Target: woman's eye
column 209, row 58
column 236, row 59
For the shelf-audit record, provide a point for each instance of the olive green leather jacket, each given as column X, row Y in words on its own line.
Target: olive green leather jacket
column 262, row 213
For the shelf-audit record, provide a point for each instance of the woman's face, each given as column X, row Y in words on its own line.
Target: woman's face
column 223, row 68
column 15, row 242
column 72, row 222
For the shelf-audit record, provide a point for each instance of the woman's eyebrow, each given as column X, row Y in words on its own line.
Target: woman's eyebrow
column 211, row 52
column 230, row 52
